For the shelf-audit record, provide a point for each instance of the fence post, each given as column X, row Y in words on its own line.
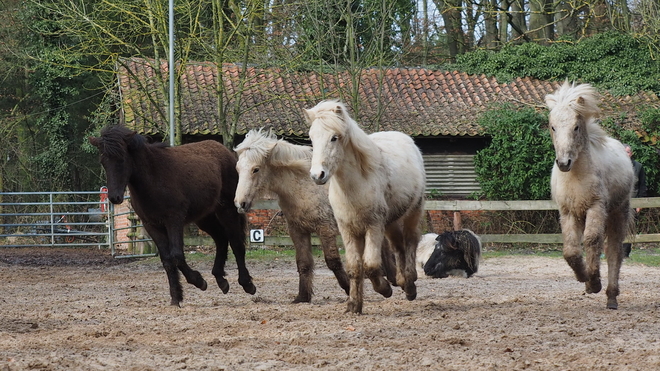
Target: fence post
column 458, row 224
column 111, row 227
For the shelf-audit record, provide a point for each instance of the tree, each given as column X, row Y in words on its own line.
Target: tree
column 612, row 60
column 516, row 164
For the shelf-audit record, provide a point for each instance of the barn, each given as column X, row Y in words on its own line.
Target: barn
column 439, row 109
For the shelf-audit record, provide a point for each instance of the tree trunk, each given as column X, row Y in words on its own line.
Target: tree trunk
column 518, row 24
column 491, row 40
column 541, row 28
column 451, row 15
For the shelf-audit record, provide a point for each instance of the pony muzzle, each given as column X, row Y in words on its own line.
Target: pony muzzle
column 116, row 199
column 243, row 207
column 564, row 165
column 320, row 178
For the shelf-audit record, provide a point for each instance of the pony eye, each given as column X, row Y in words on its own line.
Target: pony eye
column 334, row 138
column 576, row 128
column 553, row 128
column 255, row 170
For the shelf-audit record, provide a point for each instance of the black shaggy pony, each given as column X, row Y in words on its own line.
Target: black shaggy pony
column 454, row 250
column 174, row 186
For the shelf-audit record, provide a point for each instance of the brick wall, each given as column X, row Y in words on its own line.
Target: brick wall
column 439, row 221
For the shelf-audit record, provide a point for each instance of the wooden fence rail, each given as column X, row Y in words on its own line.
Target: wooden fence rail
column 469, row 205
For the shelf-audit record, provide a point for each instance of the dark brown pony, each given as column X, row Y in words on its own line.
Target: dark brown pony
column 171, row 187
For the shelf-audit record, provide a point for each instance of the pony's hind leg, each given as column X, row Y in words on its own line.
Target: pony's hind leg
column 388, row 262
column 404, row 237
column 305, row 264
column 411, row 237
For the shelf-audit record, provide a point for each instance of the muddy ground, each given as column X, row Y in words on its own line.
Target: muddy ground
column 83, row 310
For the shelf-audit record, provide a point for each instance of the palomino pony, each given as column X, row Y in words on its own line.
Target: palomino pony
column 376, row 192
column 266, row 164
column 171, row 187
column 592, row 180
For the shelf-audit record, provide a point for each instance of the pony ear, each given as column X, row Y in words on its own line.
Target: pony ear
column 310, row 116
column 94, row 141
column 550, row 101
column 340, row 112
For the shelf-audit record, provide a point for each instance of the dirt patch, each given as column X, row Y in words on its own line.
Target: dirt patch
column 517, row 312
column 49, row 256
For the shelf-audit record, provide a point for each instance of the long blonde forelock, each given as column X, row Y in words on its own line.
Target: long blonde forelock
column 582, row 98
column 334, row 116
column 256, row 145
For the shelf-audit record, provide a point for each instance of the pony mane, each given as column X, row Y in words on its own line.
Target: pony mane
column 116, row 140
column 261, row 144
column 333, row 115
column 583, row 99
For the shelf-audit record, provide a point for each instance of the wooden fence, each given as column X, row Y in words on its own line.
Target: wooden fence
column 465, row 205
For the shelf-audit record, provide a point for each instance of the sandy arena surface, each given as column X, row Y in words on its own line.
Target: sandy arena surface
column 83, row 310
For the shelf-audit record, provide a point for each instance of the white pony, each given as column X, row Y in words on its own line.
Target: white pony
column 592, row 181
column 266, row 164
column 376, row 191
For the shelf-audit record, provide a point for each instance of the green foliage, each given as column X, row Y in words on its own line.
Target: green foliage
column 645, row 144
column 614, row 61
column 517, row 163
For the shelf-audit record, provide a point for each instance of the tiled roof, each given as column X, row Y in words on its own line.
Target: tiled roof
column 417, row 101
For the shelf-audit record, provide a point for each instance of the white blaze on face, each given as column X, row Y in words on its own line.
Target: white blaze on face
column 247, row 185
column 325, row 151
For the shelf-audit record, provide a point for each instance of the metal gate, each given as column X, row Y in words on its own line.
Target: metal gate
column 129, row 239
column 71, row 219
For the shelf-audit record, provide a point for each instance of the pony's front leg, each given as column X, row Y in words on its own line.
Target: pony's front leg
column 355, row 270
column 333, row 259
column 614, row 260
column 571, row 230
column 234, row 227
column 211, row 226
column 594, row 240
column 237, row 244
column 192, row 276
column 373, row 261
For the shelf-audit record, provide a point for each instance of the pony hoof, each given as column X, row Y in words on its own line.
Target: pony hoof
column 411, row 292
column 612, row 304
column 302, row 299
column 175, row 303
column 203, row 286
column 593, row 287
column 250, row 288
column 354, row 308
column 223, row 285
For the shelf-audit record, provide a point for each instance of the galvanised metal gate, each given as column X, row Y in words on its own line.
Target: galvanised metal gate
column 70, row 219
column 129, row 239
